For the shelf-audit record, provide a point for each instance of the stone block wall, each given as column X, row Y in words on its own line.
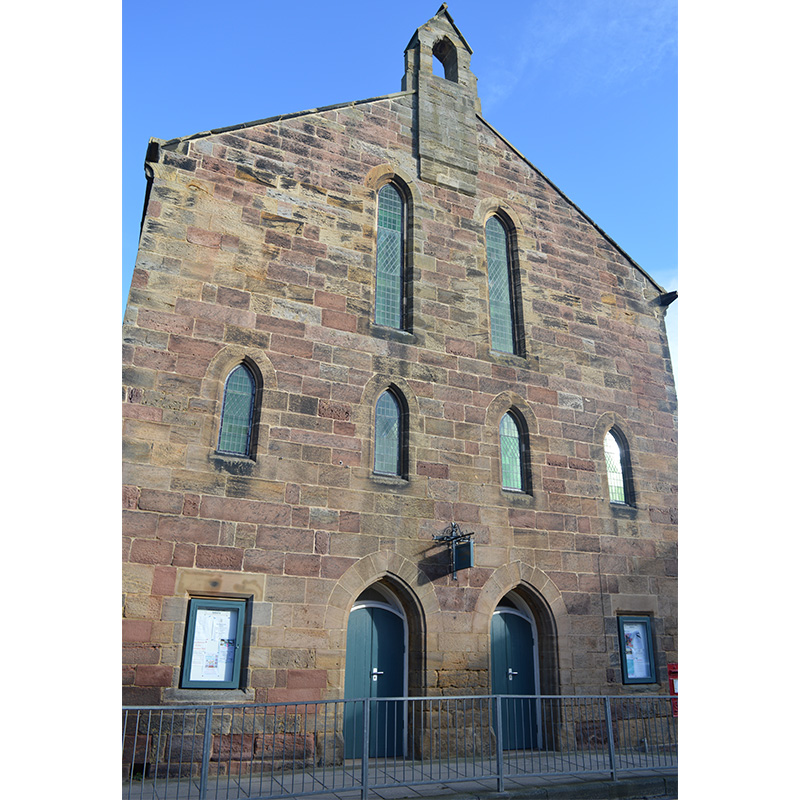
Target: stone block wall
column 258, row 244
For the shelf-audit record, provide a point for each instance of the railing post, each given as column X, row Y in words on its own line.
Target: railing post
column 610, row 734
column 499, row 739
column 206, row 753
column 365, row 752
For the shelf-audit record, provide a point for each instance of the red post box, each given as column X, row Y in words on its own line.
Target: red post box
column 672, row 672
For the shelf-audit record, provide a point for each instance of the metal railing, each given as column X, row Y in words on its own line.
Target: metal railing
column 263, row 751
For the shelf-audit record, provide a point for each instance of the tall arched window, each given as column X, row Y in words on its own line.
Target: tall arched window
column 502, row 312
column 389, row 278
column 618, row 468
column 236, row 423
column 388, row 435
column 511, row 459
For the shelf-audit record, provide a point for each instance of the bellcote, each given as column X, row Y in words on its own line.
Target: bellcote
column 447, row 108
column 439, row 38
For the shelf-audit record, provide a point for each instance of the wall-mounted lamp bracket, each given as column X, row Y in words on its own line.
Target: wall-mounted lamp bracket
column 462, row 553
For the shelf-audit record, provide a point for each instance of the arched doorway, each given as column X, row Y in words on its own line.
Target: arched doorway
column 376, row 666
column 515, row 671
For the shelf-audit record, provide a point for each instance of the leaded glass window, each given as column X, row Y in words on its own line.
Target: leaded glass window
column 237, row 412
column 388, row 435
column 511, row 454
column 615, row 469
column 501, row 312
column 389, row 260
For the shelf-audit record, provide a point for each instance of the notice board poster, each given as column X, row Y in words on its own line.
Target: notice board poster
column 637, row 650
column 214, row 646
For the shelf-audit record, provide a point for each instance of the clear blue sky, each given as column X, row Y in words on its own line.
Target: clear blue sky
column 585, row 89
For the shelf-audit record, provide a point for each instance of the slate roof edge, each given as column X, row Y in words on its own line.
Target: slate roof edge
column 171, row 143
column 167, row 143
column 661, row 290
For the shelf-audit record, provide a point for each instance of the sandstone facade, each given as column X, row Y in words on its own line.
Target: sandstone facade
column 258, row 246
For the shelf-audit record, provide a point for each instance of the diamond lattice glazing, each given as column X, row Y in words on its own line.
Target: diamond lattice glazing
column 500, row 316
column 389, row 260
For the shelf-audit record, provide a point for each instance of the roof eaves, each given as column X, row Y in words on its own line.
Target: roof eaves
column 279, row 118
column 660, row 288
column 176, row 141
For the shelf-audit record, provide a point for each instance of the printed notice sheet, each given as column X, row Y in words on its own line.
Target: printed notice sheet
column 636, row 655
column 214, row 644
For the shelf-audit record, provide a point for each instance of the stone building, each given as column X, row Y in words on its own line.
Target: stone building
column 353, row 332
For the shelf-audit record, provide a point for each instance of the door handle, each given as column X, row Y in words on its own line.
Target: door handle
column 511, row 674
column 375, row 673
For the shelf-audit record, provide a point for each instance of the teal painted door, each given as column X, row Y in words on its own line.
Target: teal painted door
column 374, row 667
column 513, row 673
